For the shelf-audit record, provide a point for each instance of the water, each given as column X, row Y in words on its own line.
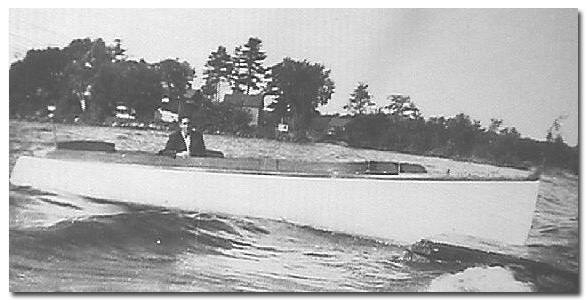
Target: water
column 67, row 243
column 62, row 242
column 58, row 244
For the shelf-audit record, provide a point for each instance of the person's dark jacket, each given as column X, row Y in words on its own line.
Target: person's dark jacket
column 175, row 144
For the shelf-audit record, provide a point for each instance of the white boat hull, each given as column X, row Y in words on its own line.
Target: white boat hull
column 401, row 210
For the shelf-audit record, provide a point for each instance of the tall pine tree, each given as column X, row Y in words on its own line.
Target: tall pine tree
column 218, row 68
column 249, row 75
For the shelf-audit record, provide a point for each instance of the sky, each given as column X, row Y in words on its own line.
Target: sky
column 518, row 65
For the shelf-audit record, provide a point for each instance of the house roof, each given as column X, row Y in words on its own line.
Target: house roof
column 244, row 100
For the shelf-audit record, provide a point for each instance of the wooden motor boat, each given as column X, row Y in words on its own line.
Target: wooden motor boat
column 384, row 200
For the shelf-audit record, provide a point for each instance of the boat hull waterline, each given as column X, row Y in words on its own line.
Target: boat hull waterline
column 401, row 210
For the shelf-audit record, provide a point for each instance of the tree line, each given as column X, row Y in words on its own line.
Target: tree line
column 399, row 126
column 88, row 78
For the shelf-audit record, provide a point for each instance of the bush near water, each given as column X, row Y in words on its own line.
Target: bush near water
column 101, row 76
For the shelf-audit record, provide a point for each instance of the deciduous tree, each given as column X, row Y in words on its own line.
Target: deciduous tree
column 142, row 88
column 360, row 100
column 35, row 81
column 300, row 88
column 176, row 78
column 401, row 105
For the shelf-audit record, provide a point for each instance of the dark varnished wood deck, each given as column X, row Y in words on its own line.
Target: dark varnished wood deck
column 267, row 166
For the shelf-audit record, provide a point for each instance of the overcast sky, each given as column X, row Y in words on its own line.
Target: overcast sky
column 519, row 65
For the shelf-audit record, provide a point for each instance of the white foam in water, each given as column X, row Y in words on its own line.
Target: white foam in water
column 480, row 279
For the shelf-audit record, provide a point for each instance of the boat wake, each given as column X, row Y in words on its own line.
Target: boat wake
column 500, row 270
column 480, row 279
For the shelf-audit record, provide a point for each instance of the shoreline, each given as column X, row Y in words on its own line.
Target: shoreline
column 26, row 137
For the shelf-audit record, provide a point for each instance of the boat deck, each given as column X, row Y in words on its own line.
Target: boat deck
column 267, row 166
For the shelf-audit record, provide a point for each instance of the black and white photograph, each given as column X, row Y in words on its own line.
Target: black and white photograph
column 293, row 150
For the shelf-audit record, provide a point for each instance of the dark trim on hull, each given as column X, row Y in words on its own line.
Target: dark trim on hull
column 374, row 170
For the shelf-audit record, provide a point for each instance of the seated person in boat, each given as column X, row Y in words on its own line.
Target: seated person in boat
column 187, row 142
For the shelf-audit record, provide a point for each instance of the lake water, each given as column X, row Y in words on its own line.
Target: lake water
column 61, row 242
